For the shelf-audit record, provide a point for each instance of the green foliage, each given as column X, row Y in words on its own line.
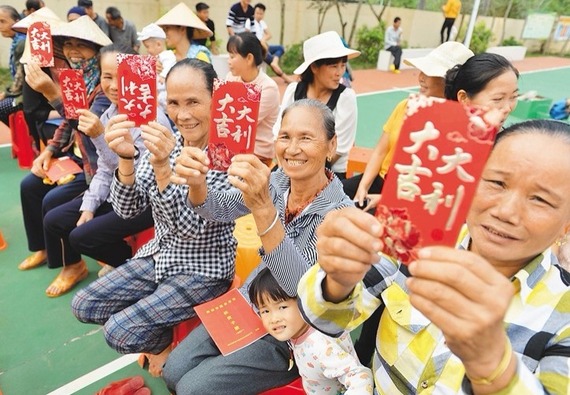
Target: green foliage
column 292, row 58
column 5, row 78
column 480, row 38
column 369, row 41
column 510, row 42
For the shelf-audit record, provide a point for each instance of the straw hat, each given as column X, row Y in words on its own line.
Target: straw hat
column 44, row 14
column 441, row 59
column 326, row 45
column 83, row 28
column 182, row 15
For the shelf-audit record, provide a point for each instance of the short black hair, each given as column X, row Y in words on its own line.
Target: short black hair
column 33, row 5
column 263, row 286
column 85, row 3
column 114, row 13
column 246, row 43
column 260, row 6
column 397, row 19
column 201, row 6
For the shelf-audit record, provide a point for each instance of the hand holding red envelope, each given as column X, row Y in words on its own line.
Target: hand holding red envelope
column 439, row 158
column 73, row 92
column 41, row 44
column 235, row 108
column 137, row 87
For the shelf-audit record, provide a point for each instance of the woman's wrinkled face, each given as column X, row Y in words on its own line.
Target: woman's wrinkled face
column 302, row 146
column 109, row 80
column 6, row 23
column 188, row 102
column 76, row 50
column 174, row 35
column 521, row 204
column 329, row 75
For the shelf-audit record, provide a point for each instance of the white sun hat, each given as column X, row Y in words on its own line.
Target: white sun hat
column 151, row 31
column 83, row 28
column 441, row 59
column 326, row 45
column 182, row 15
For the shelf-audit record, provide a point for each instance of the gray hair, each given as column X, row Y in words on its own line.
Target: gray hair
column 317, row 107
column 549, row 127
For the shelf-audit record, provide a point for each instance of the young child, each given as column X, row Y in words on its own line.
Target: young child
column 327, row 365
column 154, row 40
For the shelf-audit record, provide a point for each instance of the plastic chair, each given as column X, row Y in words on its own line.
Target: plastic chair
column 137, row 240
column 358, row 157
column 22, row 142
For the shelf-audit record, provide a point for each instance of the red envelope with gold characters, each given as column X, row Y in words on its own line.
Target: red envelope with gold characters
column 137, row 87
column 439, row 158
column 41, row 44
column 73, row 92
column 235, row 107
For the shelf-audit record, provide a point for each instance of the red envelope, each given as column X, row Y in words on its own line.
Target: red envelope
column 137, row 87
column 235, row 108
column 41, row 44
column 439, row 158
column 60, row 168
column 73, row 92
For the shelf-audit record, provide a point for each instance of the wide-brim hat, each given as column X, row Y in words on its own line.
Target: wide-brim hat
column 441, row 59
column 82, row 28
column 326, row 45
column 44, row 14
column 182, row 15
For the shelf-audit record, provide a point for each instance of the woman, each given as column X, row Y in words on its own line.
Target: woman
column 245, row 57
column 181, row 26
column 9, row 99
column 191, row 259
column 484, row 80
column 87, row 224
column 488, row 317
column 321, row 72
column 287, row 206
column 80, row 41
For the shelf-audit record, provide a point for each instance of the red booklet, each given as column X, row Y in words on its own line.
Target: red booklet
column 61, row 169
column 231, row 321
column 41, row 44
column 137, row 87
column 73, row 92
column 439, row 158
column 235, row 107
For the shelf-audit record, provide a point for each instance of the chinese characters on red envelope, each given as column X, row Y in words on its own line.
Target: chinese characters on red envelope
column 41, row 44
column 235, row 107
column 73, row 92
column 137, row 87
column 61, row 170
column 439, row 158
column 231, row 321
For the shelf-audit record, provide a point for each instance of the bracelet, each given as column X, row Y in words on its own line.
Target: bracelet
column 126, row 175
column 266, row 231
column 135, row 156
column 499, row 370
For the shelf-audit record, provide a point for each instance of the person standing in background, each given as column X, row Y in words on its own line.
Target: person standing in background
column 121, row 31
column 98, row 19
column 239, row 13
column 450, row 11
column 203, row 12
column 392, row 39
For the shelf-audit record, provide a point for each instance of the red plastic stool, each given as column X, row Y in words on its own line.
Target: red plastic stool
column 137, row 240
column 22, row 142
column 295, row 387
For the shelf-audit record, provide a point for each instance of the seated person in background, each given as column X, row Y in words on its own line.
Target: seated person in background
column 287, row 206
column 261, row 31
column 153, row 39
column 560, row 110
column 245, row 57
column 326, row 364
column 393, row 43
column 191, row 259
column 74, row 13
column 490, row 316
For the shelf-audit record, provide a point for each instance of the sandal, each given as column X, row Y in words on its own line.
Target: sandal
column 65, row 284
column 38, row 258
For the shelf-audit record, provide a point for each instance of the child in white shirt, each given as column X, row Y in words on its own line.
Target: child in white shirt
column 327, row 365
column 154, row 40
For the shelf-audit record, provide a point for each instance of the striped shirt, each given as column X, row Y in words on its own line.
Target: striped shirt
column 237, row 17
column 411, row 354
column 297, row 252
column 184, row 242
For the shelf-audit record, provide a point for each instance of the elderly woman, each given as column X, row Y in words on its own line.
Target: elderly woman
column 80, row 41
column 8, row 98
column 181, row 26
column 191, row 259
column 287, row 206
column 325, row 62
column 490, row 316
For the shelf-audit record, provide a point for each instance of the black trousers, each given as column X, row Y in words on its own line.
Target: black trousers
column 350, row 185
column 447, row 24
column 396, row 51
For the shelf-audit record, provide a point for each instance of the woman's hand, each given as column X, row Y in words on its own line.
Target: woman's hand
column 348, row 241
column 249, row 175
column 467, row 298
column 90, row 124
column 373, row 200
column 41, row 164
column 118, row 136
column 160, row 141
column 191, row 167
column 41, row 82
column 86, row 216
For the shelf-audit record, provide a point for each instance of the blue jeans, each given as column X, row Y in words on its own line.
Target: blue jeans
column 274, row 50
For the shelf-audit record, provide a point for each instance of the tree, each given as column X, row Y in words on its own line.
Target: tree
column 322, row 7
column 353, row 27
column 282, row 18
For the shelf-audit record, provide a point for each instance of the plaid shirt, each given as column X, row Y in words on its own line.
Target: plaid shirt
column 184, row 242
column 411, row 355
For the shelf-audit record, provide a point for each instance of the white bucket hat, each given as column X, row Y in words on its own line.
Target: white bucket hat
column 441, row 59
column 83, row 28
column 326, row 45
column 151, row 31
column 182, row 15
column 44, row 14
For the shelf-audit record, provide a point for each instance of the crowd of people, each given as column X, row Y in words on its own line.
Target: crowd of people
column 503, row 289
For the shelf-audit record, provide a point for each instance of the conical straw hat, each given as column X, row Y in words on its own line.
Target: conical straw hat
column 83, row 28
column 44, row 14
column 182, row 15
